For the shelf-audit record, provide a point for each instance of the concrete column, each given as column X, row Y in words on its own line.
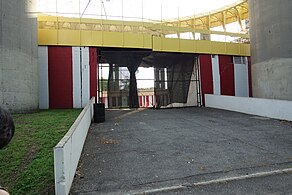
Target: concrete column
column 18, row 55
column 271, row 48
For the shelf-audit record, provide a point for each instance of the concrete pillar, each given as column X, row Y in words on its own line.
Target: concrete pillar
column 271, row 48
column 18, row 56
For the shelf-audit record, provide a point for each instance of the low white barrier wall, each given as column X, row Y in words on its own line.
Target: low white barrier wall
column 277, row 109
column 67, row 152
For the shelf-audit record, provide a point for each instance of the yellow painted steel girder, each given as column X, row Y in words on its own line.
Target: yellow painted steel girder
column 85, row 24
column 53, row 30
column 232, row 13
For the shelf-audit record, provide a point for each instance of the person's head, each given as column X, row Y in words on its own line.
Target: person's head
column 6, row 128
column 3, row 192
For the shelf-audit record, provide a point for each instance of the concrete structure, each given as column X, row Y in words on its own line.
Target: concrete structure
column 61, row 81
column 276, row 109
column 18, row 56
column 271, row 48
column 215, row 59
column 67, row 152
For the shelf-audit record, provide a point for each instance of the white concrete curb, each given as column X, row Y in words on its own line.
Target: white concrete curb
column 277, row 109
column 67, row 152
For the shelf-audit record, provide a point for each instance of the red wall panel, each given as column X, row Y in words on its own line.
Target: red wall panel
column 206, row 75
column 93, row 71
column 140, row 101
column 60, row 77
column 147, row 101
column 249, row 77
column 226, row 68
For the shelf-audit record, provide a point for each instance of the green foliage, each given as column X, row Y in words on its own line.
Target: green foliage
column 27, row 163
column 103, row 84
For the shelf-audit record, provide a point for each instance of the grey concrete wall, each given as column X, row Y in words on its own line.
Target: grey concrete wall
column 271, row 48
column 18, row 56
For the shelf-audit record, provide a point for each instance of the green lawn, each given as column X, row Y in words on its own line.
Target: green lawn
column 27, row 163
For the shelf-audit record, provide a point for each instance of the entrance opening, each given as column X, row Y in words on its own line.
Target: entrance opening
column 142, row 78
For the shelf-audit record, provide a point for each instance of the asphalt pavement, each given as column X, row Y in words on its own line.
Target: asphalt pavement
column 185, row 151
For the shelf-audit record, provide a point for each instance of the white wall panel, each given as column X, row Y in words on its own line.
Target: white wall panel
column 241, row 80
column 150, row 101
column 85, row 95
column 43, row 77
column 216, row 75
column 76, row 77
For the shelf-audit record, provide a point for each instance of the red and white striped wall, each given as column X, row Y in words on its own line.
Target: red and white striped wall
column 147, row 101
column 225, row 75
column 67, row 76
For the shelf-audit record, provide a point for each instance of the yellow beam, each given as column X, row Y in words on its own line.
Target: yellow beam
column 200, row 46
column 135, row 40
column 216, row 18
column 53, row 30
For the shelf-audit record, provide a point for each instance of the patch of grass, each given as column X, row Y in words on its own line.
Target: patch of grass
column 27, row 163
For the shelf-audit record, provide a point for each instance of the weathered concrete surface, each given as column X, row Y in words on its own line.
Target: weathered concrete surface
column 271, row 48
column 270, row 29
column 272, row 79
column 135, row 151
column 18, row 55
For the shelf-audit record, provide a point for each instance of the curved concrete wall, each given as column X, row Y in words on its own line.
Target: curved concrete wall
column 18, row 56
column 271, row 48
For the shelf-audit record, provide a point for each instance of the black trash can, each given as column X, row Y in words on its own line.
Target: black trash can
column 99, row 112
